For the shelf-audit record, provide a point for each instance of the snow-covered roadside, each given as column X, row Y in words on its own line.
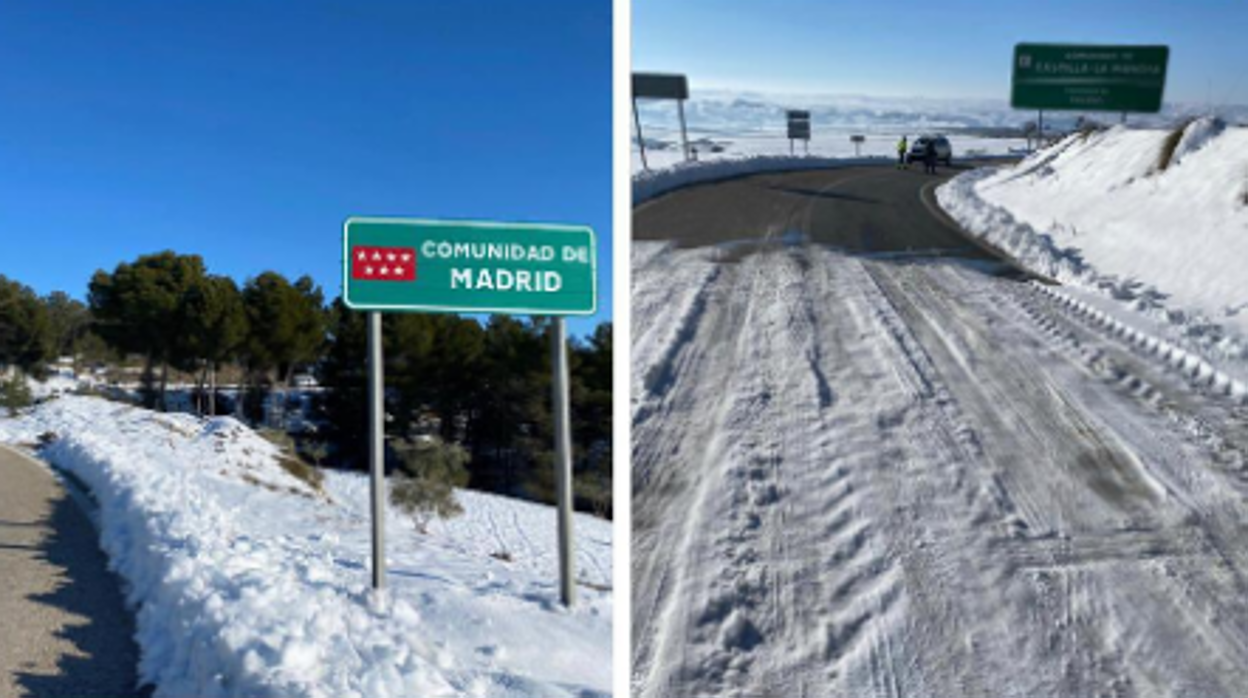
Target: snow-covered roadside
column 1160, row 251
column 651, row 183
column 248, row 582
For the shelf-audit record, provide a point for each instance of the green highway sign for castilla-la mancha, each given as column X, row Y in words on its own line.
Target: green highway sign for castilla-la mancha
column 417, row 265
column 1089, row 78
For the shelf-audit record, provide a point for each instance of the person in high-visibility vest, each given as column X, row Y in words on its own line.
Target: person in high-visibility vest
column 901, row 154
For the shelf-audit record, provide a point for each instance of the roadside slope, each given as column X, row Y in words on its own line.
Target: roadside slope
column 1149, row 225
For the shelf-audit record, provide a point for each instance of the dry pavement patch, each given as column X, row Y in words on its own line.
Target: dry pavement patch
column 64, row 628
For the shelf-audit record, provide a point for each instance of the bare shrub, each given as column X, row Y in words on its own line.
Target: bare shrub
column 425, row 490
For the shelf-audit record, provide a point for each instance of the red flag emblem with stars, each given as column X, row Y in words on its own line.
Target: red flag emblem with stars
column 383, row 263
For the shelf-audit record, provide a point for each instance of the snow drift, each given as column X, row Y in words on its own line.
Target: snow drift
column 1155, row 219
column 250, row 582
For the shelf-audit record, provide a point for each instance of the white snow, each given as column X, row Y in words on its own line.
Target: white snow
column 247, row 582
column 869, row 476
column 1098, row 214
column 731, row 124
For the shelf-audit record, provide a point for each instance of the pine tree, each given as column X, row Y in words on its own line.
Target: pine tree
column 287, row 326
column 25, row 339
column 136, row 309
column 212, row 328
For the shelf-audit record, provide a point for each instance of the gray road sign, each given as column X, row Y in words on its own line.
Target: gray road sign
column 799, row 130
column 799, row 124
column 660, row 86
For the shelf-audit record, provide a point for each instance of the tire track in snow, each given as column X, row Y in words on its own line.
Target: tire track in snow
column 873, row 478
column 667, row 519
column 1151, row 453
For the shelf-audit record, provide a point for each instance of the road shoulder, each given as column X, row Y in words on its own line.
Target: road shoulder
column 67, row 631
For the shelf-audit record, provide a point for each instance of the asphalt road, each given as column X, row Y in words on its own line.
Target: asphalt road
column 862, row 209
column 64, row 629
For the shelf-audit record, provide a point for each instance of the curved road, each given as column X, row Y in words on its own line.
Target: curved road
column 862, row 473
column 66, row 632
column 865, row 209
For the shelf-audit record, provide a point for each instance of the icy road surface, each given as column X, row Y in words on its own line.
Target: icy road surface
column 889, row 476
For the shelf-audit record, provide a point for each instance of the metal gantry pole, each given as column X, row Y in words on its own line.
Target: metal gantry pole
column 563, row 458
column 641, row 141
column 376, row 447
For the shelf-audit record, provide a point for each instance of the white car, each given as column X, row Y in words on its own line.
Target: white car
column 944, row 151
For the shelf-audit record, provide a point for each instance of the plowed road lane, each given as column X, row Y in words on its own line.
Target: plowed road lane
column 64, row 630
column 866, row 209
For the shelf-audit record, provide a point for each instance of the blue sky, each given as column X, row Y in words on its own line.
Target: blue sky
column 247, row 132
column 946, row 49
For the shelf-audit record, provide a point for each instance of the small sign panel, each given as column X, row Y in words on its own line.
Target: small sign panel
column 1089, row 78
column 660, row 86
column 417, row 265
column 799, row 124
column 799, row 130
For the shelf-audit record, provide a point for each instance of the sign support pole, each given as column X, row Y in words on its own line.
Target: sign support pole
column 641, row 142
column 563, row 458
column 684, row 134
column 376, row 445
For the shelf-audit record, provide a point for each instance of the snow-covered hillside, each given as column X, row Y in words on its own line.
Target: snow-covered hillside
column 743, row 123
column 663, row 148
column 250, row 582
column 1153, row 218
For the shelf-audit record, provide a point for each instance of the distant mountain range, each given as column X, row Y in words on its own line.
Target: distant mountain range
column 722, row 112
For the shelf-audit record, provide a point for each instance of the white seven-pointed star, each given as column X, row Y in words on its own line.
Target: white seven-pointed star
column 406, row 256
column 362, row 256
column 368, row 271
column 398, row 271
column 389, row 256
column 385, row 271
column 376, row 256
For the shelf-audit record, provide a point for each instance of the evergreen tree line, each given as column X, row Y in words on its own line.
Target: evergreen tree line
column 485, row 387
column 34, row 330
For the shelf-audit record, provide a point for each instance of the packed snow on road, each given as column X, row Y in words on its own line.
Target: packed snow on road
column 248, row 581
column 874, row 475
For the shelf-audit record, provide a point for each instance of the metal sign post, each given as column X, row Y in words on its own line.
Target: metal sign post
column 418, row 265
column 641, row 140
column 376, row 447
column 563, row 458
column 663, row 86
column 857, row 141
column 684, row 132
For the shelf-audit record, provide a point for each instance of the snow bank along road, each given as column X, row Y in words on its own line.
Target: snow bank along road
column 250, row 582
column 64, row 630
column 865, row 473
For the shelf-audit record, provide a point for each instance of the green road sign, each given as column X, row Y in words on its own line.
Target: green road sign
column 405, row 264
column 1089, row 78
